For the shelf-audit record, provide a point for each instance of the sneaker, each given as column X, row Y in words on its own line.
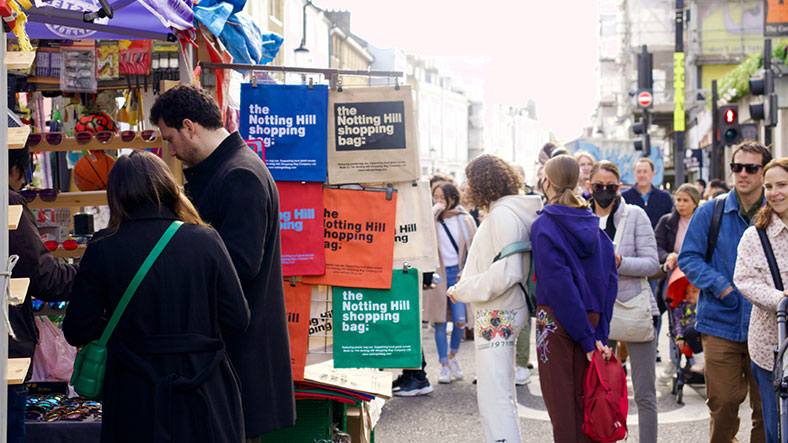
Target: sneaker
column 445, row 375
column 414, row 387
column 454, row 366
column 668, row 373
column 700, row 364
column 522, row 376
column 399, row 382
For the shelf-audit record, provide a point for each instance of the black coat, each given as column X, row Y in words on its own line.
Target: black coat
column 167, row 352
column 50, row 280
column 659, row 202
column 234, row 192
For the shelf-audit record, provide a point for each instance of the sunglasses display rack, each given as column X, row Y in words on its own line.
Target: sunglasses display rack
column 74, row 253
column 14, row 215
column 57, row 141
column 72, row 200
column 17, row 137
column 17, row 370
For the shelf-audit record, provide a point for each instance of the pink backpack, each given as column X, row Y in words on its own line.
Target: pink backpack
column 605, row 401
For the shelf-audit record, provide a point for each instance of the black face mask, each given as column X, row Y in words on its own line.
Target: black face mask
column 604, row 197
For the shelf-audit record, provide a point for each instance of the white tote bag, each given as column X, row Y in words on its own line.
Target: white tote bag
column 631, row 320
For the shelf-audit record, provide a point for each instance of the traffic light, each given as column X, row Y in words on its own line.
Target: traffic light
column 641, row 128
column 729, row 125
column 767, row 110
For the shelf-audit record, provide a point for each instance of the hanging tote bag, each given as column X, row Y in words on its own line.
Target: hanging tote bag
column 91, row 362
column 631, row 320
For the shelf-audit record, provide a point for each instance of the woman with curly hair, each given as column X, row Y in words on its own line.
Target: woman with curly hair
column 493, row 289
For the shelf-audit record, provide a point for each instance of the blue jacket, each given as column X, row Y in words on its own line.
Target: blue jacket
column 659, row 202
column 575, row 270
column 728, row 318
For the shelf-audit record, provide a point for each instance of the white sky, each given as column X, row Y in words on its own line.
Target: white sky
column 545, row 50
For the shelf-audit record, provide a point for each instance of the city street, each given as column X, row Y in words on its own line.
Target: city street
column 450, row 414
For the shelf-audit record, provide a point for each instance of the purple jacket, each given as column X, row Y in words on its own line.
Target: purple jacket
column 575, row 269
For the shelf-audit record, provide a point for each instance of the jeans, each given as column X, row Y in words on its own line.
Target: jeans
column 457, row 316
column 763, row 379
column 17, row 397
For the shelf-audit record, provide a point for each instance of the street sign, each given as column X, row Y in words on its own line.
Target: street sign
column 645, row 99
column 775, row 18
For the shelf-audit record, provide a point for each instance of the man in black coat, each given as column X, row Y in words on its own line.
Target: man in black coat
column 655, row 202
column 234, row 192
column 50, row 281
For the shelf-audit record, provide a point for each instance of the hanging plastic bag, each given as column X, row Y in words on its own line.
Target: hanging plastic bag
column 54, row 356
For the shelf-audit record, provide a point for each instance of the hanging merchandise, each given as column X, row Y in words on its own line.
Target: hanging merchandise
column 301, row 227
column 372, row 135
column 297, row 297
column 379, row 328
column 415, row 241
column 78, row 67
column 321, row 325
column 358, row 238
column 291, row 120
column 135, row 57
column 107, row 60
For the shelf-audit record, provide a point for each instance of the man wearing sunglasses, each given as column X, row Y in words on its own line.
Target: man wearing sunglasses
column 723, row 315
column 234, row 192
column 50, row 281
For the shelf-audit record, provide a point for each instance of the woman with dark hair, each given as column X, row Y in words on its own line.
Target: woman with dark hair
column 636, row 259
column 455, row 229
column 168, row 376
column 754, row 281
column 492, row 289
column 576, row 290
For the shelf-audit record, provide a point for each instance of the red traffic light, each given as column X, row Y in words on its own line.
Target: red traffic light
column 730, row 116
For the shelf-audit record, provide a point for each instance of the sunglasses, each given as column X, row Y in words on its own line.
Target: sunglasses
column 47, row 195
column 38, row 305
column 83, row 138
column 68, row 245
column 599, row 187
column 751, row 168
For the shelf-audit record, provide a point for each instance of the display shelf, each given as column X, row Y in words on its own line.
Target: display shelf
column 14, row 215
column 70, row 144
column 17, row 137
column 72, row 199
column 18, row 287
column 17, row 370
column 62, row 253
column 19, row 60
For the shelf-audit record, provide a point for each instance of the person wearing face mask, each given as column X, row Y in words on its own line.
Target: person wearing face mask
column 636, row 259
column 723, row 315
column 754, row 280
column 575, row 267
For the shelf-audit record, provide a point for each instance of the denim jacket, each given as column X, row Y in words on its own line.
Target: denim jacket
column 729, row 317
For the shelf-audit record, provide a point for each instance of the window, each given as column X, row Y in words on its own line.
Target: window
column 275, row 9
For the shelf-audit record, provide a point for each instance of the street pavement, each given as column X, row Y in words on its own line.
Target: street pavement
column 450, row 413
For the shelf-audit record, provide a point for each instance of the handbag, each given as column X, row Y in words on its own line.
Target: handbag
column 631, row 320
column 91, row 362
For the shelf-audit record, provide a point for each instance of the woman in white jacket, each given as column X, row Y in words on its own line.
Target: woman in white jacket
column 497, row 300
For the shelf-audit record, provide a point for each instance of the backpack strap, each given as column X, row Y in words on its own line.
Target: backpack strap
column 767, row 250
column 714, row 229
column 514, row 248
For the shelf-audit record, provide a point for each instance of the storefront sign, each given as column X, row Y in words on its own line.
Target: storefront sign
column 301, row 228
column 678, row 92
column 415, row 240
column 775, row 19
column 297, row 307
column 358, row 230
column 377, row 328
column 372, row 135
column 291, row 121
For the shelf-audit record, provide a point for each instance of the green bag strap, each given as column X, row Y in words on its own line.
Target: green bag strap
column 135, row 282
column 514, row 248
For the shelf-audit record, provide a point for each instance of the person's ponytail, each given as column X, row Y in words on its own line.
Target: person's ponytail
column 563, row 172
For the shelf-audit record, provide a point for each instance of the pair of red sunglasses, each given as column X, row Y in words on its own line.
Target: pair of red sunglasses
column 83, row 138
column 68, row 245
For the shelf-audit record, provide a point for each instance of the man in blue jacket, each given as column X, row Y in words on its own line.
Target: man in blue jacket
column 655, row 202
column 723, row 315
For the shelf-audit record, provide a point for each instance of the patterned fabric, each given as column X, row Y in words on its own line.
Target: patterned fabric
column 683, row 316
column 494, row 323
column 754, row 281
column 545, row 325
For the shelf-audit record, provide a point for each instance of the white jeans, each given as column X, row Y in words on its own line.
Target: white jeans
column 496, row 333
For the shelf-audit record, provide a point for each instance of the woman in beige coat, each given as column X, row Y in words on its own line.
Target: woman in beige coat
column 455, row 229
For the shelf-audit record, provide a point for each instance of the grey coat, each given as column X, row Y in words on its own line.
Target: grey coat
column 638, row 251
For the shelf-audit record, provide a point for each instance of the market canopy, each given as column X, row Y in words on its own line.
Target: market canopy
column 132, row 20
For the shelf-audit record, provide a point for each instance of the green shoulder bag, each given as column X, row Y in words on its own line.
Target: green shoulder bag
column 91, row 362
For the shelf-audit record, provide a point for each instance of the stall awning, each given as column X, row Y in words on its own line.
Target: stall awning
column 132, row 20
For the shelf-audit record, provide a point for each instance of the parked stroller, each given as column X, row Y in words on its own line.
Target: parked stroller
column 674, row 298
column 780, row 373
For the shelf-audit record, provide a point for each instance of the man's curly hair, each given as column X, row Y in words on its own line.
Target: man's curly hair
column 490, row 178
